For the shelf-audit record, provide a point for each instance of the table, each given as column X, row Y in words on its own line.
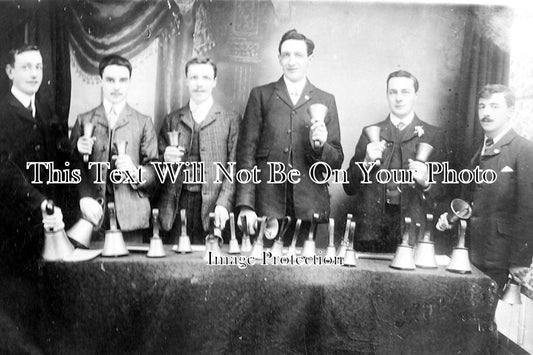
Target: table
column 178, row 304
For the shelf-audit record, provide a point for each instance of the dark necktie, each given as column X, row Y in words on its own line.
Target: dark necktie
column 400, row 126
column 489, row 143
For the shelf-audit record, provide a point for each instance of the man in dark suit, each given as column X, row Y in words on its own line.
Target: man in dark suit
column 208, row 135
column 29, row 132
column 114, row 122
column 277, row 128
column 381, row 206
column 501, row 227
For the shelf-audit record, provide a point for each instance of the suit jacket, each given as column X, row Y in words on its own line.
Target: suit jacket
column 272, row 130
column 501, row 226
column 371, row 198
column 218, row 143
column 131, row 201
column 23, row 139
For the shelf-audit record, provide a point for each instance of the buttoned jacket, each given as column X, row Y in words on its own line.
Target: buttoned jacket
column 501, row 226
column 131, row 200
column 218, row 143
column 274, row 130
column 25, row 139
column 371, row 199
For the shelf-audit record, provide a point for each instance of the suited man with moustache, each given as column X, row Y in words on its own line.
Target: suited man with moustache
column 30, row 132
column 208, row 134
column 115, row 121
column 381, row 207
column 500, row 231
column 277, row 128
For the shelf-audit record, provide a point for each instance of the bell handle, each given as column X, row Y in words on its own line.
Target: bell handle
column 183, row 218
column 112, row 216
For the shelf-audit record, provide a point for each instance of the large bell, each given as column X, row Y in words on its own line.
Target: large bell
column 114, row 241
column 403, row 258
column 424, row 255
column 423, row 151
column 350, row 257
column 511, row 292
column 459, row 209
column 330, row 251
column 309, row 247
column 81, row 232
column 184, row 242
column 56, row 244
column 257, row 249
column 246, row 242
column 156, row 243
column 460, row 260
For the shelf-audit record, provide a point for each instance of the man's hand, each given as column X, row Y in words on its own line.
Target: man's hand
column 173, row 154
column 374, row 151
column 125, row 163
column 442, row 223
column 420, row 172
column 519, row 273
column 85, row 145
column 221, row 216
column 251, row 220
column 91, row 210
column 54, row 221
column 318, row 134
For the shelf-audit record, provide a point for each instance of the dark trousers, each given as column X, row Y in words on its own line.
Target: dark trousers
column 390, row 232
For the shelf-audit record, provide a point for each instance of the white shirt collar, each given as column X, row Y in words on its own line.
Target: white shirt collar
column 118, row 107
column 297, row 87
column 200, row 111
column 406, row 120
column 23, row 98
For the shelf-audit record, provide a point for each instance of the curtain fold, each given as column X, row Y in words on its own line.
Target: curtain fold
column 485, row 60
column 175, row 49
column 98, row 28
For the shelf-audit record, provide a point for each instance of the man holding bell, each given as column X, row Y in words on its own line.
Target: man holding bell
column 121, row 139
column 500, row 228
column 401, row 141
column 293, row 124
column 205, row 133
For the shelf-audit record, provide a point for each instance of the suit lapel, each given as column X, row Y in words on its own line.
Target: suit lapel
column 282, row 92
column 185, row 116
column 214, row 113
column 410, row 131
column 497, row 147
column 99, row 117
column 307, row 94
column 124, row 117
column 20, row 110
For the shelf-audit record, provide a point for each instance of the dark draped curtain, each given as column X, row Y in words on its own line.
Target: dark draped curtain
column 175, row 49
column 98, row 28
column 485, row 60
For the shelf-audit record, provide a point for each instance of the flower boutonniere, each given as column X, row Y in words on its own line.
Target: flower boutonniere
column 419, row 131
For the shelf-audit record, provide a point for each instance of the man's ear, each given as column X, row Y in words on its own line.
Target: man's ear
column 9, row 71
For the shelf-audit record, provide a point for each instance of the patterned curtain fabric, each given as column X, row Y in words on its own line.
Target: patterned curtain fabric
column 98, row 28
